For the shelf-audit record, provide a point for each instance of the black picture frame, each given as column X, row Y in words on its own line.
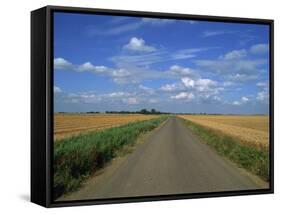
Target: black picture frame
column 42, row 104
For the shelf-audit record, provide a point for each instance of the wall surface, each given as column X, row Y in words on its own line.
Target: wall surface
column 15, row 105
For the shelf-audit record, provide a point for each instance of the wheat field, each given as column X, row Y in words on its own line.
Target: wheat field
column 66, row 125
column 252, row 130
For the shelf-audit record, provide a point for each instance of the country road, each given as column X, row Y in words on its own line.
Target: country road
column 171, row 160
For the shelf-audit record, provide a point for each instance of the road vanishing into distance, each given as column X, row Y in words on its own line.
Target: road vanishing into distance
column 171, row 160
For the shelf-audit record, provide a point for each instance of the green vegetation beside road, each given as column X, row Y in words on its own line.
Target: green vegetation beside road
column 250, row 158
column 76, row 158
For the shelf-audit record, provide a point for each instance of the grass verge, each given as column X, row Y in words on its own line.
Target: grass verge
column 77, row 157
column 250, row 158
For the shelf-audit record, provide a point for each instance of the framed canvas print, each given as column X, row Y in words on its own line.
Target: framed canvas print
column 140, row 106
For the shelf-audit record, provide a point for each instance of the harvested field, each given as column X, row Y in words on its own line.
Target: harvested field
column 252, row 130
column 66, row 125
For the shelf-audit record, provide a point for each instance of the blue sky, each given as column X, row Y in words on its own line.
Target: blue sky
column 105, row 63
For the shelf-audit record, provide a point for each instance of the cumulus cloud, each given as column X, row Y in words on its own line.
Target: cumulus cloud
column 235, row 54
column 263, row 96
column 188, row 82
column 63, row 64
column 116, row 94
column 242, row 101
column 138, row 44
column 201, row 85
column 259, row 48
column 118, row 75
column 124, row 72
column 204, row 89
column 187, row 96
column 87, row 66
column 170, row 87
column 205, row 84
column 181, row 70
column 60, row 63
column 57, row 90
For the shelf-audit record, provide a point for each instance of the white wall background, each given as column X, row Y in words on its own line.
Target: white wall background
column 15, row 105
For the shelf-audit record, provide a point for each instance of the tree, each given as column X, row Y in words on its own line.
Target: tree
column 144, row 111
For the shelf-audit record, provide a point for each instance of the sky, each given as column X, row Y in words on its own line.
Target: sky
column 113, row 63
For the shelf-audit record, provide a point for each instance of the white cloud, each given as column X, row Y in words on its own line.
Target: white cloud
column 263, row 96
column 262, row 84
column 116, row 29
column 100, row 69
column 147, row 89
column 121, row 73
column 210, row 33
column 84, row 97
column 138, row 44
column 259, row 48
column 189, row 83
column 131, row 101
column 239, row 69
column 119, row 26
column 118, row 75
column 143, row 59
column 157, row 21
column 116, row 94
column 234, row 55
column 170, row 87
column 181, row 70
column 184, row 95
column 204, row 85
column 242, row 77
column 242, row 101
column 57, row 90
column 60, row 63
column 236, row 103
column 187, row 53
column 87, row 66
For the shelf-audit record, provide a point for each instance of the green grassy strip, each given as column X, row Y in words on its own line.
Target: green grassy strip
column 250, row 158
column 75, row 158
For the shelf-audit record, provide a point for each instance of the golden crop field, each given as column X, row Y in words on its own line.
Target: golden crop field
column 252, row 130
column 66, row 125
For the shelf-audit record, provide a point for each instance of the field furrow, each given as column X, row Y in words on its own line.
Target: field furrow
column 252, row 130
column 66, row 125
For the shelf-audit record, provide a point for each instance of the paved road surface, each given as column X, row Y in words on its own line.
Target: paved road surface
column 171, row 160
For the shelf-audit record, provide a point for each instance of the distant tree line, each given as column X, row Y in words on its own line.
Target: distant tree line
column 145, row 111
column 142, row 111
